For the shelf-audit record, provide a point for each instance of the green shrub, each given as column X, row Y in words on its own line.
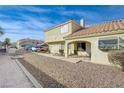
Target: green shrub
column 117, row 58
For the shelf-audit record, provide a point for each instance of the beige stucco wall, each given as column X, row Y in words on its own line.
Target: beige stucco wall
column 75, row 27
column 55, row 34
column 54, row 37
column 88, row 48
column 55, row 47
column 97, row 55
column 71, row 48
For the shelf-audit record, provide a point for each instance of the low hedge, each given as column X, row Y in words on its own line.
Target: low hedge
column 117, row 58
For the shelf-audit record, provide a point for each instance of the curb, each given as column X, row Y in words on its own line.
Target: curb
column 31, row 77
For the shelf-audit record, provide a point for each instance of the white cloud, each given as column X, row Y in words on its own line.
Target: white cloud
column 86, row 14
column 31, row 25
column 33, row 9
column 27, row 8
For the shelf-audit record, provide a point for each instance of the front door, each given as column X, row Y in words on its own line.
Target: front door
column 81, row 46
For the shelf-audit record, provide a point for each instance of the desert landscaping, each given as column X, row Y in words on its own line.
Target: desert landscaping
column 51, row 72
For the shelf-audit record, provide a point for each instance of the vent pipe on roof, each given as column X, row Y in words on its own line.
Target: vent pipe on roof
column 82, row 23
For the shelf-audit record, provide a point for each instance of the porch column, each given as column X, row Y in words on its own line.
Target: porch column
column 66, row 50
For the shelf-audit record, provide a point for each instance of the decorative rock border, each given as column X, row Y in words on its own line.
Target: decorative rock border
column 31, row 78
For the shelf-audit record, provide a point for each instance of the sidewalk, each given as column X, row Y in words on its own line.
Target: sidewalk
column 72, row 60
column 11, row 75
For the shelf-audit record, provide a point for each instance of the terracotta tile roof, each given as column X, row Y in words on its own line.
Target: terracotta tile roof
column 103, row 27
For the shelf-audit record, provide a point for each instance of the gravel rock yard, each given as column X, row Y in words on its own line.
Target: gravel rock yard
column 52, row 72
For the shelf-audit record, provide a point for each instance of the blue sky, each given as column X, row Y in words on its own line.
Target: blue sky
column 30, row 21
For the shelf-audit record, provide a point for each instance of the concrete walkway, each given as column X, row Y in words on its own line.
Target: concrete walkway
column 72, row 60
column 11, row 75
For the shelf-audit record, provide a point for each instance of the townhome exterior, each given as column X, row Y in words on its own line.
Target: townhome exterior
column 54, row 37
column 94, row 42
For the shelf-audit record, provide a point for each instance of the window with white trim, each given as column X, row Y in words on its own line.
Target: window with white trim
column 121, row 43
column 108, row 43
column 64, row 29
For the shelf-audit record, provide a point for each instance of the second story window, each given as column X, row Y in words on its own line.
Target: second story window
column 64, row 29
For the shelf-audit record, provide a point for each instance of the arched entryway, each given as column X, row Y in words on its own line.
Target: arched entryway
column 78, row 49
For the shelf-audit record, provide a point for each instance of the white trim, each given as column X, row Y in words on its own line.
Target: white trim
column 96, row 34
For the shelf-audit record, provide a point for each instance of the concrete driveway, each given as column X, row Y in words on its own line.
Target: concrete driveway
column 11, row 75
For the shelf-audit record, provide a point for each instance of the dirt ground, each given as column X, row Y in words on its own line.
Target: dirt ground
column 52, row 72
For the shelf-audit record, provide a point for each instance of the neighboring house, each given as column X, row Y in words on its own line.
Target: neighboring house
column 94, row 41
column 26, row 42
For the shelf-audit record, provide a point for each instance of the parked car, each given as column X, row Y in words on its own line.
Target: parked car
column 42, row 49
column 38, row 48
column 34, row 49
column 30, row 48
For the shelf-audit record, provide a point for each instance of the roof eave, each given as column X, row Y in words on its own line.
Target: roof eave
column 96, row 34
column 71, row 20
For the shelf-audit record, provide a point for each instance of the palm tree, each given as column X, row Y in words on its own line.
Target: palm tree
column 6, row 42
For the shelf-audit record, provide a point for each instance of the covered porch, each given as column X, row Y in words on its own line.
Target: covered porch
column 78, row 49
